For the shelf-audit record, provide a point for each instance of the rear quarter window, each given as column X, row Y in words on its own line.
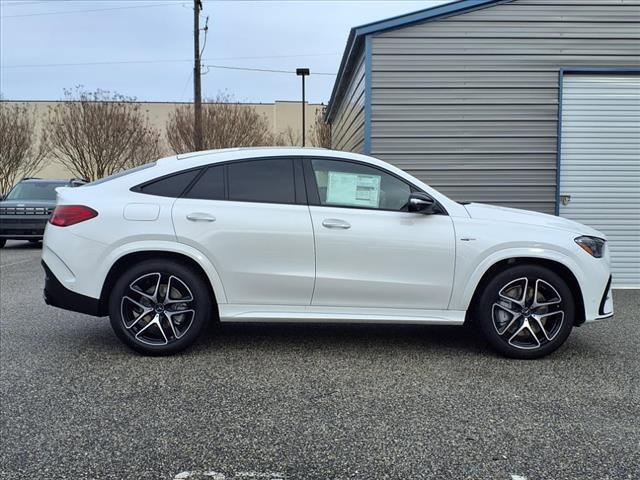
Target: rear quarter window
column 171, row 186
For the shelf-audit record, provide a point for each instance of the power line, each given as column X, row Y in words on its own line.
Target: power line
column 268, row 70
column 165, row 4
column 125, row 62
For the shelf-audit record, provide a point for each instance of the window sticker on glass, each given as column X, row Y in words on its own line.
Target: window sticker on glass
column 353, row 189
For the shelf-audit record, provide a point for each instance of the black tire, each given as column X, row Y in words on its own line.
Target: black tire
column 182, row 279
column 549, row 326
column 3, row 242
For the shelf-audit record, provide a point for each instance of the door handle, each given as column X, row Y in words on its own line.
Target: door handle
column 201, row 217
column 336, row 223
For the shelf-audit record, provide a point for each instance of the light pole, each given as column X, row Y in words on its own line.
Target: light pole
column 302, row 72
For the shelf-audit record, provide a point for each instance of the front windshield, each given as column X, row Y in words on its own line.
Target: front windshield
column 35, row 191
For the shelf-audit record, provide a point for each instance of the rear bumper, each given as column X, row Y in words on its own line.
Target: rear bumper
column 57, row 295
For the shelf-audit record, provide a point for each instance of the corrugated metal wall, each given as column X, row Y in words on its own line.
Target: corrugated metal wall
column 347, row 129
column 600, row 164
column 469, row 103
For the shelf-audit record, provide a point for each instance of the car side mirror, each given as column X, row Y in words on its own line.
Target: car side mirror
column 421, row 203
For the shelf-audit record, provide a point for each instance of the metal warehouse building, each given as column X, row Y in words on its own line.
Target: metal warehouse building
column 531, row 104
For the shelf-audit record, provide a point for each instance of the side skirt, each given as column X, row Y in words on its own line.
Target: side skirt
column 319, row 314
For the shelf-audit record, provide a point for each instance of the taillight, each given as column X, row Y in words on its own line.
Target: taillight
column 66, row 215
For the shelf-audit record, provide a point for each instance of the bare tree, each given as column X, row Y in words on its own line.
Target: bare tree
column 225, row 124
column 321, row 131
column 94, row 134
column 288, row 138
column 21, row 152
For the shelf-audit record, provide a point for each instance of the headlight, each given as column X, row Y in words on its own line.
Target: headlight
column 594, row 246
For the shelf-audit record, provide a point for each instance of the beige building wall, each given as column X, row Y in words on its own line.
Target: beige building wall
column 284, row 118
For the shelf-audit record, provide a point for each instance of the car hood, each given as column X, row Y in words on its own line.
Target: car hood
column 482, row 211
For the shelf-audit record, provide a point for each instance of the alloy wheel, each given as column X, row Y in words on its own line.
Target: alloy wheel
column 528, row 313
column 157, row 308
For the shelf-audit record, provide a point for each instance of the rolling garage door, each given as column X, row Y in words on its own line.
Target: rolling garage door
column 600, row 163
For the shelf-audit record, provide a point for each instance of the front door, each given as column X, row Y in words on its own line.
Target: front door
column 370, row 251
column 251, row 220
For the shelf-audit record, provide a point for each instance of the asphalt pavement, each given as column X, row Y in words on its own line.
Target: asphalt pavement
column 308, row 401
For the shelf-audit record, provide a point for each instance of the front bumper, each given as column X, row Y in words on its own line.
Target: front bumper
column 606, row 303
column 23, row 227
column 57, row 295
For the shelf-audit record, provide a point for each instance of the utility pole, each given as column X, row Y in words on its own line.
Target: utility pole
column 302, row 72
column 197, row 89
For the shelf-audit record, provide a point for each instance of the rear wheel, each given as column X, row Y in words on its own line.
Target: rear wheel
column 526, row 311
column 159, row 307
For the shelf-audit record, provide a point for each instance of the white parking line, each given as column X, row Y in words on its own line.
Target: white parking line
column 213, row 475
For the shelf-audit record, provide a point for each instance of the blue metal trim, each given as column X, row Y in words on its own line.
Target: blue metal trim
column 368, row 57
column 346, row 60
column 356, row 35
column 422, row 15
column 578, row 70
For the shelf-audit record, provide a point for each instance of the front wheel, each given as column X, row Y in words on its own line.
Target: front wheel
column 159, row 307
column 526, row 311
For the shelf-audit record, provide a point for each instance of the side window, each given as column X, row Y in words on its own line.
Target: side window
column 171, row 186
column 346, row 184
column 264, row 180
column 210, row 185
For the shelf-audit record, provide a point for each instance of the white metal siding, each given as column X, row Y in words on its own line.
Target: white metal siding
column 600, row 163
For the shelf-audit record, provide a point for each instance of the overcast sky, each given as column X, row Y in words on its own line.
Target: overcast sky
column 155, row 38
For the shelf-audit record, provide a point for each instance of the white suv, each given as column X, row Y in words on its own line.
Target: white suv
column 312, row 235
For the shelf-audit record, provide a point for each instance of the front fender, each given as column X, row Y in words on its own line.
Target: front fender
column 463, row 292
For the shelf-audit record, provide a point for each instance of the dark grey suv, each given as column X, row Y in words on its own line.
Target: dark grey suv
column 25, row 210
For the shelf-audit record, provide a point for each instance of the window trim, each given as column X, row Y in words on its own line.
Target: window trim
column 138, row 188
column 314, row 197
column 303, row 176
column 300, row 188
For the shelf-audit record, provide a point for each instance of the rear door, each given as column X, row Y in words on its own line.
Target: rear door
column 251, row 219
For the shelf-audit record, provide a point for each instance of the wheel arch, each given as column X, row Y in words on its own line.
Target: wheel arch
column 562, row 270
column 120, row 265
